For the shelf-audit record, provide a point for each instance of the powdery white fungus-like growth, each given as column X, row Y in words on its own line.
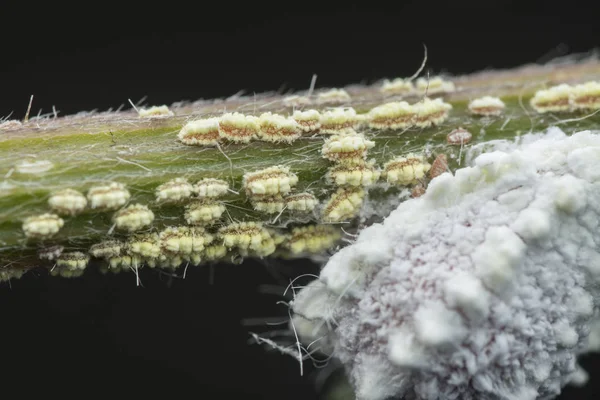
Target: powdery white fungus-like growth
column 397, row 86
column 406, row 170
column 554, row 99
column 333, row 96
column 459, row 136
column 202, row 132
column 586, row 96
column 344, row 204
column 308, row 121
column 430, row 112
column 133, row 217
column 439, row 166
column 347, row 148
column 238, row 128
column 304, row 202
column 487, row 106
column 484, row 287
column 175, row 190
column 108, row 197
column 312, row 239
column 107, row 249
column 50, row 253
column 340, row 120
column 155, row 112
column 42, row 226
column 359, row 174
column 210, row 187
column 435, row 85
column 67, row 202
column 203, row 212
column 277, row 128
column 269, row 181
column 33, row 166
column 268, row 204
column 296, row 101
column 394, row 115
column 247, row 238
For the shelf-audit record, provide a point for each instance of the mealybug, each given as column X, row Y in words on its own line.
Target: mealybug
column 42, row 226
column 67, row 202
column 406, row 170
column 133, row 217
column 202, row 132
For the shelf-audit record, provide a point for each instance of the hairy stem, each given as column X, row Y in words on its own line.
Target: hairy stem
column 45, row 155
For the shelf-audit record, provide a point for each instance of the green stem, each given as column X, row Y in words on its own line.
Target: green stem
column 94, row 148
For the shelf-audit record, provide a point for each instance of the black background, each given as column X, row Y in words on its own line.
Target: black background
column 102, row 334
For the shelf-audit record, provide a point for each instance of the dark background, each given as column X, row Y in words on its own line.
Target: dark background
column 102, row 334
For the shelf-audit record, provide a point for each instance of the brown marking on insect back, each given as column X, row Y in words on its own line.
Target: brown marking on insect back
column 439, row 166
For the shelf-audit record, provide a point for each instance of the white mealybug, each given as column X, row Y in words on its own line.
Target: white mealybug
column 247, row 237
column 33, row 166
column 211, row 187
column 238, row 128
column 42, row 226
column 554, row 99
column 304, row 202
column 67, row 202
column 108, row 197
column 406, row 170
column 586, row 96
column 269, row 181
column 50, row 253
column 397, row 86
column 296, row 101
column 268, row 204
column 202, row 132
column 459, row 136
column 75, row 260
column 487, row 106
column 312, row 239
column 430, row 112
column 214, row 252
column 70, row 265
column 203, row 212
column 277, row 128
column 344, row 204
column 347, row 148
column 308, row 121
column 340, row 120
column 155, row 112
column 435, row 85
column 175, row 190
column 184, row 240
column 358, row 174
column 333, row 96
column 133, row 217
column 6, row 274
column 10, row 124
column 394, row 115
column 107, row 249
column 145, row 246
